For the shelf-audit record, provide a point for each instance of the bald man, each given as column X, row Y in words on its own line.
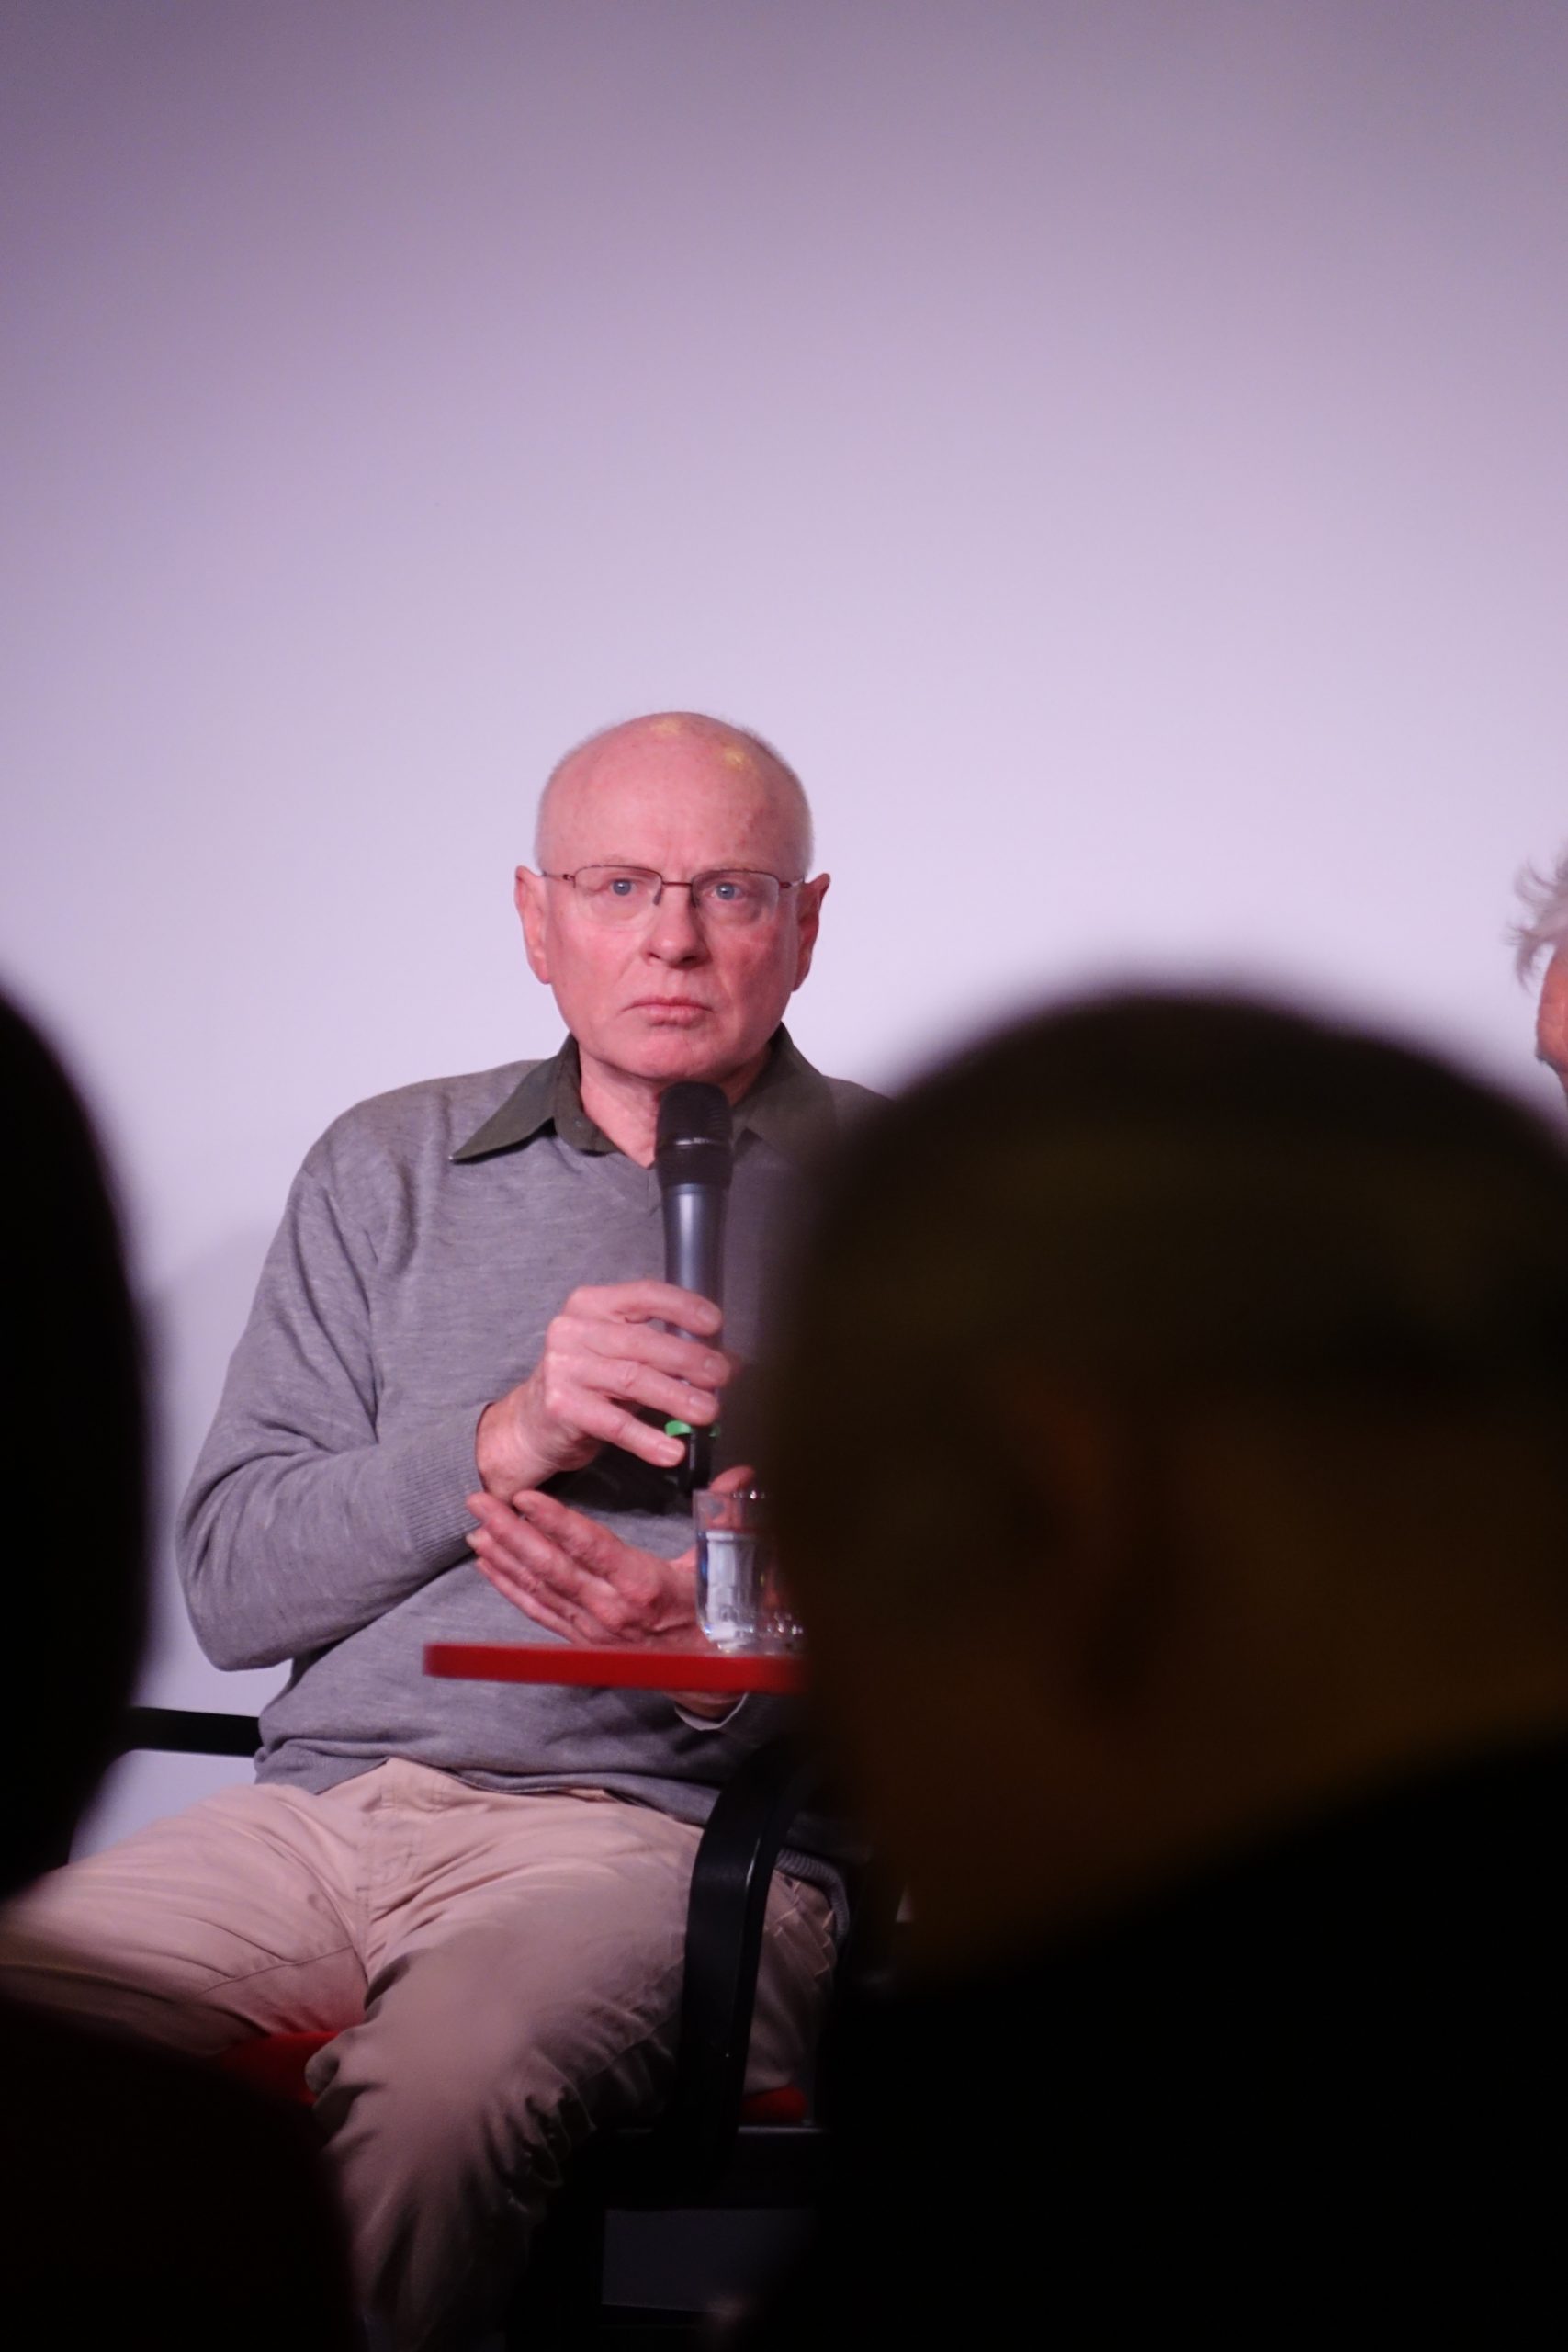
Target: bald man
column 445, row 1422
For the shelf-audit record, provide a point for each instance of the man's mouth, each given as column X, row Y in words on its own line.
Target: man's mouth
column 669, row 1008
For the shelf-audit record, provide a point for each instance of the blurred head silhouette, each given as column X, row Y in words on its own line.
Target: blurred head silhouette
column 72, row 1459
column 1172, row 1436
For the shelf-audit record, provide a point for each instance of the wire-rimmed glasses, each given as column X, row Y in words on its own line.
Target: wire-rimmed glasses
column 729, row 894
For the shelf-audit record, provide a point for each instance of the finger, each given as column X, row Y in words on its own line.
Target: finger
column 730, row 1482
column 524, row 1553
column 694, row 1360
column 600, row 1615
column 618, row 1593
column 604, row 1573
column 634, row 1361
column 627, row 1590
column 547, row 1588
column 627, row 1379
column 534, row 1605
column 596, row 1414
column 497, row 1519
column 603, row 1587
column 648, row 1301
column 510, row 1573
column 590, row 1548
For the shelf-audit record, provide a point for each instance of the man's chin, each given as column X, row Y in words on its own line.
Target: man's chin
column 662, row 1051
column 673, row 1058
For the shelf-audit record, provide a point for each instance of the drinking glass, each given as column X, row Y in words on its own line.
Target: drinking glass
column 741, row 1603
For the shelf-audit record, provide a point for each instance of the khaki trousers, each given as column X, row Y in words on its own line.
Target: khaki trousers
column 503, row 1974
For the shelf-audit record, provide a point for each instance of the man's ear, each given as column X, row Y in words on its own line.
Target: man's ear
column 808, row 918
column 1551, row 1017
column 530, row 897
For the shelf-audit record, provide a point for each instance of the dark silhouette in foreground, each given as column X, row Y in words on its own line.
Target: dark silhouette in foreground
column 1172, row 1466
column 148, row 2202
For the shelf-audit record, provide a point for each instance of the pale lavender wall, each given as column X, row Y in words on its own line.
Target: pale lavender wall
column 1118, row 449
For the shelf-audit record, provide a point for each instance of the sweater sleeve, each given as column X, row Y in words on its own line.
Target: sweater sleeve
column 299, row 1526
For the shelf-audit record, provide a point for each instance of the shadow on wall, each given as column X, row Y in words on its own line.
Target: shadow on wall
column 192, row 1327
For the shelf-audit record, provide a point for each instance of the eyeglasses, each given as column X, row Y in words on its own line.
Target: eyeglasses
column 732, row 897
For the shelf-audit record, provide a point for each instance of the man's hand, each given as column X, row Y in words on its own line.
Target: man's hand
column 574, row 1577
column 603, row 1358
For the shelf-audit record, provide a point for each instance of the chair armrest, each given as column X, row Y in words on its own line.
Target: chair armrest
column 731, row 1880
column 170, row 1731
column 186, row 1731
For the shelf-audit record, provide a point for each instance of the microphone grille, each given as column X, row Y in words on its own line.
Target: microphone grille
column 694, row 1136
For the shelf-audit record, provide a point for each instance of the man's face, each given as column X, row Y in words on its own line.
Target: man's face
column 1551, row 1019
column 669, row 996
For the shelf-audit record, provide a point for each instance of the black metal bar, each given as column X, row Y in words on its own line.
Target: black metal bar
column 731, row 1880
column 187, row 1731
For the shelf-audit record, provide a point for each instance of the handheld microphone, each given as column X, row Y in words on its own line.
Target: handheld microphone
column 695, row 1156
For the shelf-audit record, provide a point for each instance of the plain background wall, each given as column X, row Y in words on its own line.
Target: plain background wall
column 1117, row 450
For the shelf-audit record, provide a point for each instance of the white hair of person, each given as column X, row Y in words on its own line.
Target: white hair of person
column 746, row 738
column 1545, row 900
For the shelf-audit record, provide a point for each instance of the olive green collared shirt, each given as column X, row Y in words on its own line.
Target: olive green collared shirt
column 791, row 1106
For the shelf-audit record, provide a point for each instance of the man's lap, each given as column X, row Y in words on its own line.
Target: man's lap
column 270, row 1909
column 232, row 1917
column 502, row 1974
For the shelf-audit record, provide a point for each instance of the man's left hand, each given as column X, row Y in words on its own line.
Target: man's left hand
column 576, row 1577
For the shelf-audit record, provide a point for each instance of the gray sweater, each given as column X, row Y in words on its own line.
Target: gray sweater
column 429, row 1239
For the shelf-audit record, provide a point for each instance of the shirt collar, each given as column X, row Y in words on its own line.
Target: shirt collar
column 789, row 1106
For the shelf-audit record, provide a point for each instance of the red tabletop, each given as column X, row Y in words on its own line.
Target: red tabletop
column 622, row 1669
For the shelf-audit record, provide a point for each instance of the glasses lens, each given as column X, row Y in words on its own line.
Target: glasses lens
column 616, row 893
column 735, row 897
column 625, row 893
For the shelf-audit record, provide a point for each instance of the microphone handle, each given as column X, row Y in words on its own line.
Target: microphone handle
column 694, row 1239
column 694, row 1259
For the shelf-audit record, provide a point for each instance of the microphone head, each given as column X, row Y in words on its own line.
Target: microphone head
column 694, row 1143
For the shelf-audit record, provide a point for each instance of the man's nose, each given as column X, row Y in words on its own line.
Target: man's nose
column 674, row 933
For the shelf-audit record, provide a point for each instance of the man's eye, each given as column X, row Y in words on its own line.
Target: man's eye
column 622, row 886
column 727, row 890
